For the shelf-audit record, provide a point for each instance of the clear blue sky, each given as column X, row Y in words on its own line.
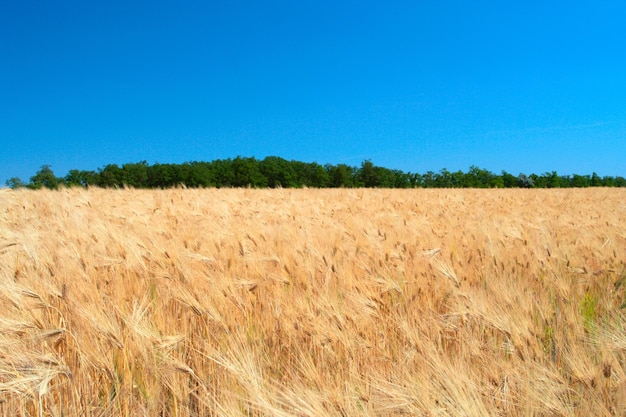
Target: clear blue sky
column 528, row 87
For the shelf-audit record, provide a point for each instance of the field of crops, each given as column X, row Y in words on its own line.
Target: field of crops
column 335, row 302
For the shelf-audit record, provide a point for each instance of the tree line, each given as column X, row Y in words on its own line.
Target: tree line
column 273, row 172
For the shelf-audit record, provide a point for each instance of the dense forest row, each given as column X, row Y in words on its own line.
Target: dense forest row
column 274, row 172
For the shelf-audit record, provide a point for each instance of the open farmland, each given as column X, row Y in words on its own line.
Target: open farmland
column 344, row 302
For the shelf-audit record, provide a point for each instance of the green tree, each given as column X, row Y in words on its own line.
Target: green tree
column 372, row 176
column 135, row 175
column 608, row 181
column 552, row 180
column 596, row 181
column 201, row 174
column 223, row 172
column 73, row 179
column 537, row 181
column 458, row 179
column 497, row 182
column 316, row 176
column 340, row 175
column 580, row 181
column 310, row 174
column 76, row 178
column 509, row 180
column 15, row 183
column 480, row 178
column 44, row 178
column 246, row 172
column 279, row 172
column 111, row 176
column 402, row 179
column 415, row 180
column 160, row 176
column 274, row 171
column 443, row 179
column 367, row 175
column 429, row 180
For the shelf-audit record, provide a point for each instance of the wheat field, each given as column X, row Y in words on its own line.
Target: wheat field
column 345, row 302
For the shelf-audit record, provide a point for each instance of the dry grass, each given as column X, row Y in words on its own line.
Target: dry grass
column 313, row 302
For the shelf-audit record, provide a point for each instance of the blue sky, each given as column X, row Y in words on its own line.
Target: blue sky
column 526, row 87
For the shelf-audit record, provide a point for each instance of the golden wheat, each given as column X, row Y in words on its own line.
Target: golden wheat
column 312, row 302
